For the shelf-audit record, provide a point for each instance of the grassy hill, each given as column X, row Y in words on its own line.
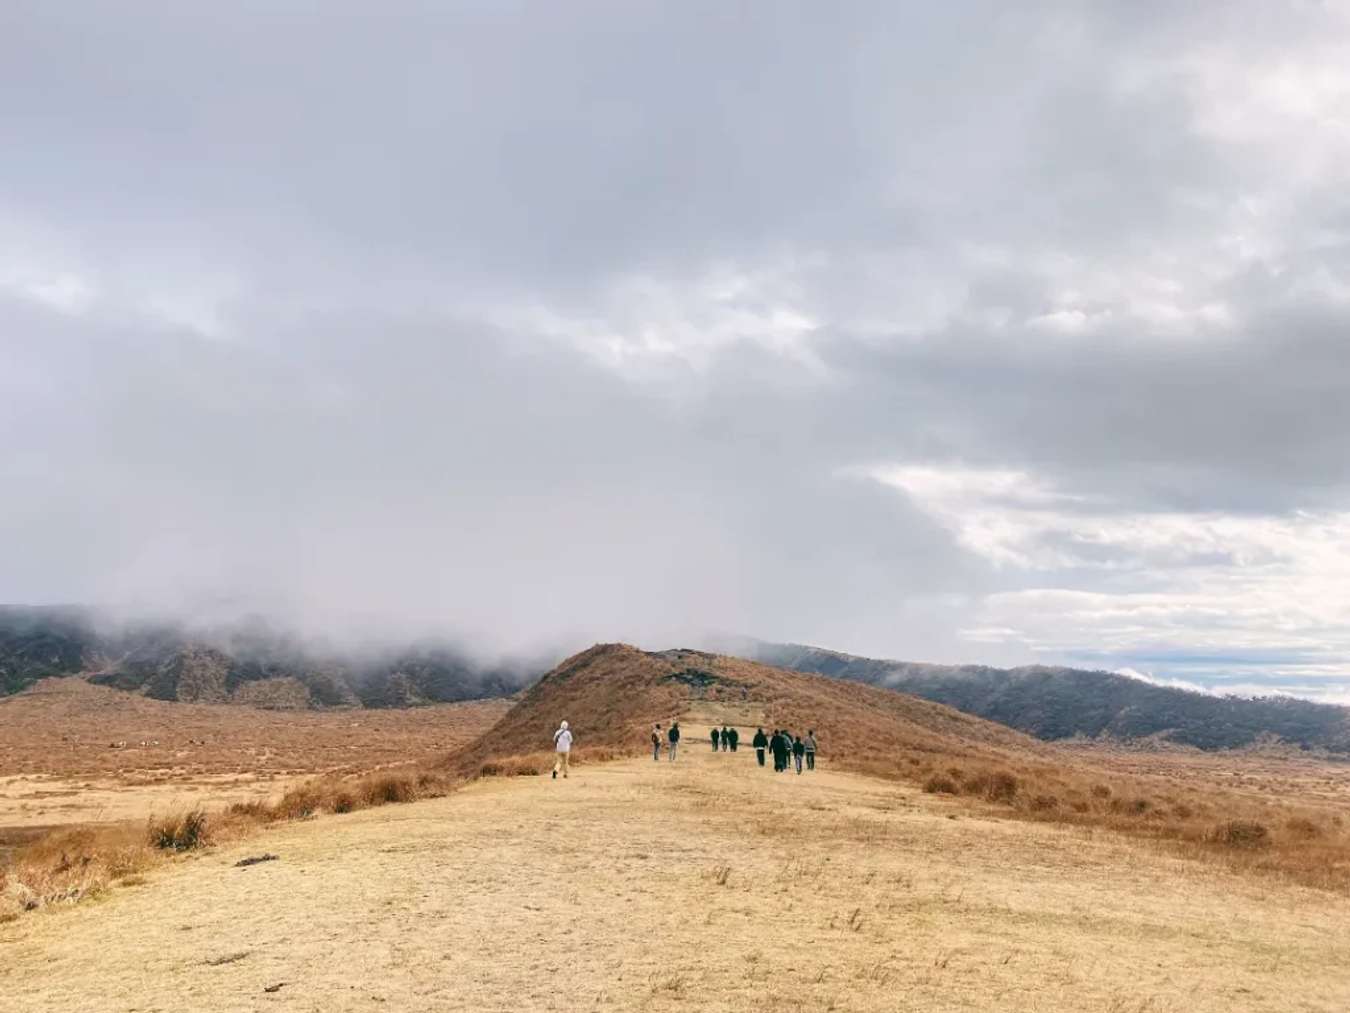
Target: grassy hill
column 613, row 693
column 1060, row 703
column 244, row 663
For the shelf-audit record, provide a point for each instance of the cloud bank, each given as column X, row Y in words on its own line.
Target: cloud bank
column 980, row 333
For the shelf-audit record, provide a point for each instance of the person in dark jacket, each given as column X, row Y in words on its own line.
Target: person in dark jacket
column 735, row 738
column 716, row 738
column 779, row 745
column 674, row 736
column 798, row 751
column 761, row 743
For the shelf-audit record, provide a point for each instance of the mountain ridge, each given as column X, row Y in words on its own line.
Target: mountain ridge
column 1055, row 702
column 247, row 663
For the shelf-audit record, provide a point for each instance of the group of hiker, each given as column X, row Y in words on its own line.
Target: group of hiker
column 727, row 738
column 786, row 748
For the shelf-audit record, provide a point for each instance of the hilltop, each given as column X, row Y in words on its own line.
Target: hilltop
column 247, row 662
column 1062, row 703
column 613, row 693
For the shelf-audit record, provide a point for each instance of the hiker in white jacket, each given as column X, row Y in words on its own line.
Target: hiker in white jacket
column 562, row 741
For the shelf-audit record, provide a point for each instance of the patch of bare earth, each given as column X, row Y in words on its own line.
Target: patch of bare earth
column 707, row 884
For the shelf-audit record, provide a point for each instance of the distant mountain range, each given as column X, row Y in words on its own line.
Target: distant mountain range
column 244, row 663
column 1062, row 703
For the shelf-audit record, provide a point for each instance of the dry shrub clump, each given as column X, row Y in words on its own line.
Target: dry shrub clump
column 70, row 865
column 516, row 766
column 939, row 784
column 1241, row 834
column 184, row 832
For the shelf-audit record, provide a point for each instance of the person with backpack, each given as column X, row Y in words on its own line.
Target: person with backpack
column 761, row 743
column 716, row 738
column 674, row 736
column 798, row 751
column 735, row 738
column 726, row 738
column 562, row 744
column 810, row 744
column 656, row 742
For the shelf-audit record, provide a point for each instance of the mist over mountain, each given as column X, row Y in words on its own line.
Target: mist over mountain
column 1053, row 702
column 247, row 661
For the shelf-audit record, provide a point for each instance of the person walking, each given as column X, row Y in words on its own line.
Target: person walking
column 726, row 738
column 674, row 736
column 761, row 743
column 735, row 738
column 780, row 751
column 798, row 751
column 810, row 743
column 656, row 742
column 716, row 738
column 562, row 743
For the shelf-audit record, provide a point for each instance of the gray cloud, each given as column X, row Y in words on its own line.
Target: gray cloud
column 536, row 323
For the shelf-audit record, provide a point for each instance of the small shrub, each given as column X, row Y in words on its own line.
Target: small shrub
column 992, row 786
column 1302, row 829
column 180, row 833
column 1244, row 834
column 1101, row 791
column 298, row 803
column 343, row 801
column 1044, row 803
column 390, row 789
column 939, row 785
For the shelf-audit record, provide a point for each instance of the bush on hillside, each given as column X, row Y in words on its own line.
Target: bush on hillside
column 1243, row 834
column 185, row 832
column 940, row 785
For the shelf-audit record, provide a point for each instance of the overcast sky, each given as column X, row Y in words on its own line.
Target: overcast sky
column 953, row 332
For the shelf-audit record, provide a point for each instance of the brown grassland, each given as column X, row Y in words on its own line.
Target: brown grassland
column 707, row 884
column 74, row 756
column 1020, row 874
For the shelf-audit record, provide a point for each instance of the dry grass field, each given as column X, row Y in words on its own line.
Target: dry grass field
column 74, row 753
column 709, row 884
column 936, row 862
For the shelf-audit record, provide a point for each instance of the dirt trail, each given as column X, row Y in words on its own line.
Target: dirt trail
column 709, row 884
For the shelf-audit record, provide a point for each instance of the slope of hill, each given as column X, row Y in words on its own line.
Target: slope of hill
column 246, row 663
column 1060, row 703
column 613, row 693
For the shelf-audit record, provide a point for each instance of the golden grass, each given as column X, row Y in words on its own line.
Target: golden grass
column 612, row 694
column 75, row 864
column 708, row 883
